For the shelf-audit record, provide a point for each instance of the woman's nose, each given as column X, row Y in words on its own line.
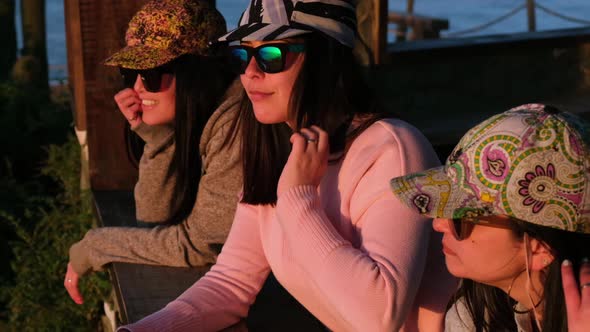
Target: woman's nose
column 252, row 70
column 138, row 85
column 440, row 225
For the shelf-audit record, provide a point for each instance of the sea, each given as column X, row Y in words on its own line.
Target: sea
column 466, row 18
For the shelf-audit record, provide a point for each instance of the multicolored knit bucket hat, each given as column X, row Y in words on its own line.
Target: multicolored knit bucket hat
column 163, row 30
column 266, row 20
column 531, row 163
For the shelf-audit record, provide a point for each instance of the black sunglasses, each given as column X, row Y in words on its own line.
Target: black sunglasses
column 269, row 57
column 462, row 227
column 151, row 78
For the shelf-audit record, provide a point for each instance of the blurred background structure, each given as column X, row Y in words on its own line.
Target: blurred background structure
column 442, row 65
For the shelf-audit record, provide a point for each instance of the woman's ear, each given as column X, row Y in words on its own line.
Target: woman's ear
column 541, row 255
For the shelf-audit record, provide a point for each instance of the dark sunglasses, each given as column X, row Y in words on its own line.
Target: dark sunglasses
column 151, row 78
column 462, row 227
column 269, row 57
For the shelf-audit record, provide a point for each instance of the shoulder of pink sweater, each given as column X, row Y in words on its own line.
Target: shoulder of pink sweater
column 394, row 136
column 391, row 130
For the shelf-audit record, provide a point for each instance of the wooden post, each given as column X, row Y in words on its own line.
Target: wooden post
column 410, row 7
column 75, row 62
column 402, row 29
column 532, row 22
column 372, row 29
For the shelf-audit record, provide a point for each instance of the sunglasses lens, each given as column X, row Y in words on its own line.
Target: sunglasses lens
column 129, row 76
column 456, row 228
column 151, row 80
column 461, row 229
column 239, row 58
column 270, row 59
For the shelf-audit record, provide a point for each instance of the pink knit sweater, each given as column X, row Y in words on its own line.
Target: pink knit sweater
column 349, row 251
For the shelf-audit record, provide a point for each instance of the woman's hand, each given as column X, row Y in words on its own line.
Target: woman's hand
column 577, row 297
column 130, row 105
column 308, row 160
column 71, row 285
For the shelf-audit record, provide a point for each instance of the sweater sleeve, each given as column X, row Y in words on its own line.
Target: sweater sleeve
column 197, row 240
column 223, row 296
column 380, row 272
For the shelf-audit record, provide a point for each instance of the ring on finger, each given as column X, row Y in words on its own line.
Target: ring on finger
column 311, row 140
column 68, row 280
column 584, row 285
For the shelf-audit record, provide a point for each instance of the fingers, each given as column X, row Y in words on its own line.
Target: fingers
column 323, row 140
column 298, row 143
column 129, row 104
column 71, row 285
column 585, row 283
column 570, row 288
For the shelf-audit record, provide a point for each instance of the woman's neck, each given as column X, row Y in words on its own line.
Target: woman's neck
column 528, row 297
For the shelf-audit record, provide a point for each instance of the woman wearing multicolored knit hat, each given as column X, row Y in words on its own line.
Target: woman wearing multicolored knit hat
column 513, row 204
column 315, row 209
column 181, row 101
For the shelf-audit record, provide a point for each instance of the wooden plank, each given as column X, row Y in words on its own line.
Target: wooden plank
column 423, row 27
column 145, row 289
column 414, row 20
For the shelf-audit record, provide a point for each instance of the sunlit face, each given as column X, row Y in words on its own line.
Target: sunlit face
column 492, row 256
column 270, row 93
column 158, row 108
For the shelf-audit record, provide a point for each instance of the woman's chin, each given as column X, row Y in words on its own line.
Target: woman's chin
column 268, row 117
column 155, row 121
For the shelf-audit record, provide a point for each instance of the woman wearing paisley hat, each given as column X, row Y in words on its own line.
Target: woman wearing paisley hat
column 314, row 209
column 513, row 205
column 180, row 100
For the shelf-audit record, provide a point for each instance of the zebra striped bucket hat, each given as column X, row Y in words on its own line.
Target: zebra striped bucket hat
column 266, row 20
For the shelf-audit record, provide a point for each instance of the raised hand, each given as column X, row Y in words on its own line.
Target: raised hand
column 577, row 297
column 308, row 160
column 130, row 105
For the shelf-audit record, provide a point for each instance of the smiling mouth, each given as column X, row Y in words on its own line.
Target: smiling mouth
column 148, row 102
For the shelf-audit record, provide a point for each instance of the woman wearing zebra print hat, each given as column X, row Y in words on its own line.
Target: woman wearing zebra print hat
column 314, row 209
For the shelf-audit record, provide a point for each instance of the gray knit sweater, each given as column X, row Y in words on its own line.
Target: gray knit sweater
column 198, row 239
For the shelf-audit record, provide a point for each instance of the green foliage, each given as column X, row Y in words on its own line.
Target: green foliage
column 42, row 212
column 37, row 299
column 28, row 121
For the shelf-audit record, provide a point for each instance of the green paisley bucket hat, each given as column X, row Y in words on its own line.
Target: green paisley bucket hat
column 531, row 163
column 163, row 30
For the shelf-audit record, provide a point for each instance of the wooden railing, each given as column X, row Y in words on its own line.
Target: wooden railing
column 414, row 27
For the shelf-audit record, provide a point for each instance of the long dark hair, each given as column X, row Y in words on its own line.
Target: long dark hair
column 491, row 308
column 201, row 82
column 329, row 92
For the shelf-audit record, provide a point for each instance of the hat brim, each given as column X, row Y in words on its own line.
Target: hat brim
column 140, row 57
column 261, row 32
column 433, row 193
